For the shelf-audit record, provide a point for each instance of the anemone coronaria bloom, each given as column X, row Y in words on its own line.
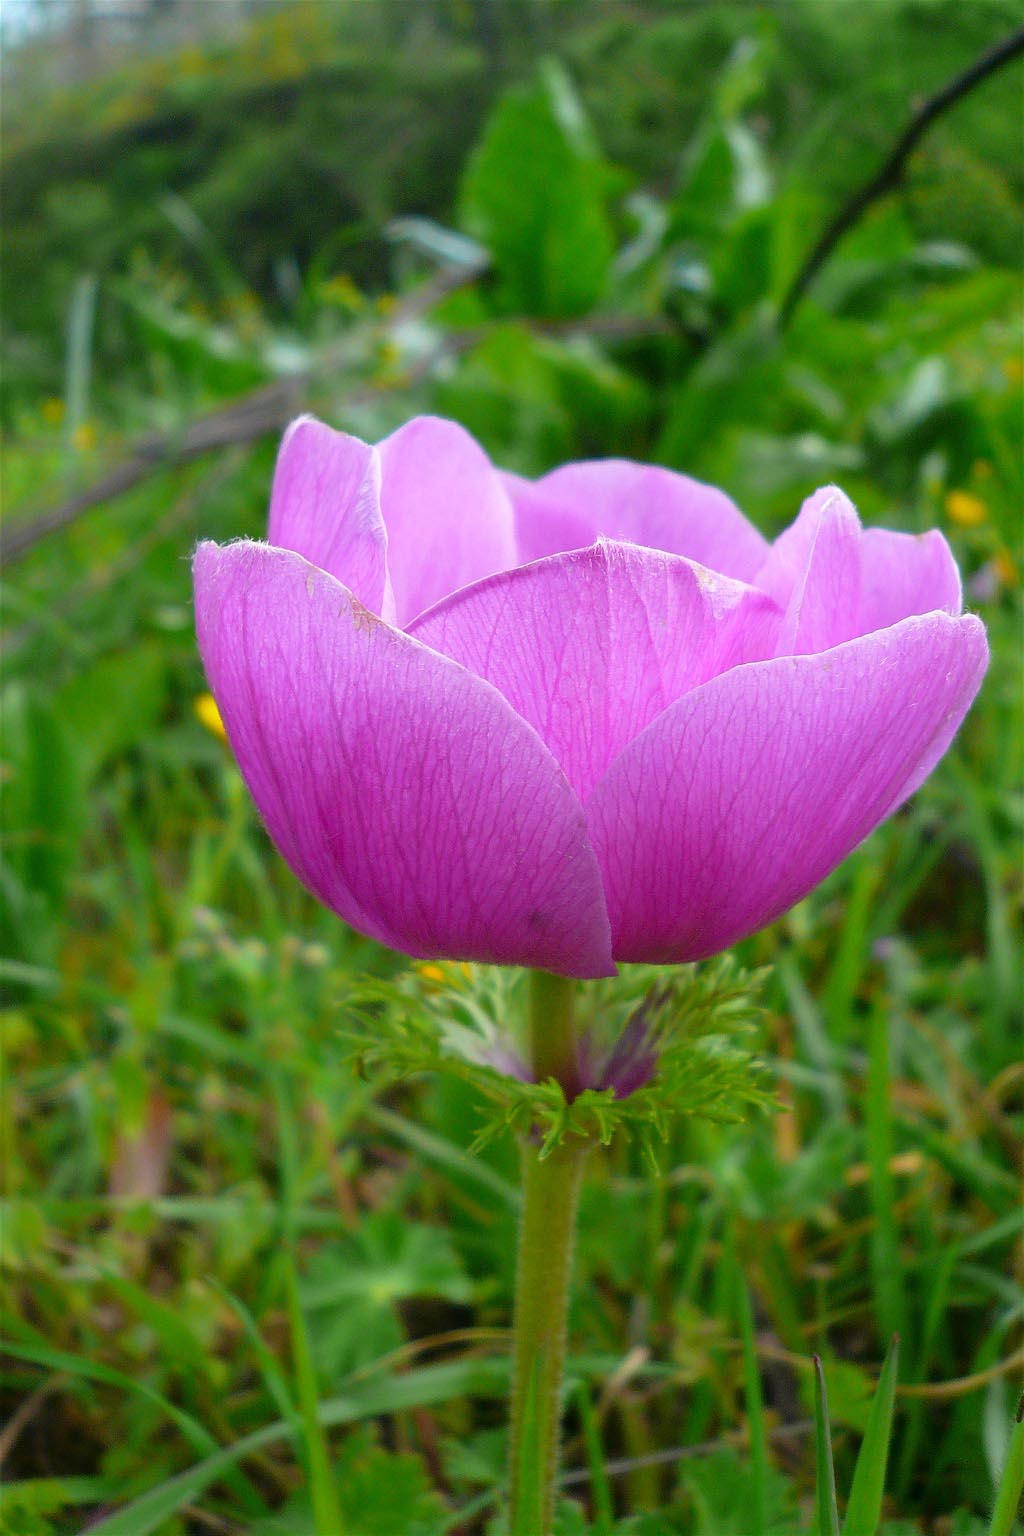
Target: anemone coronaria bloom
column 566, row 722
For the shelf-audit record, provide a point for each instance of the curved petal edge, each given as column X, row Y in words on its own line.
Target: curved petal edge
column 747, row 792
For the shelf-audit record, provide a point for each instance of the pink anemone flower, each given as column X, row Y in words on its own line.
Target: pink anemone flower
column 574, row 721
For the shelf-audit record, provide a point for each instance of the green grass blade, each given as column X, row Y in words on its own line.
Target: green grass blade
column 322, row 1486
column 199, row 1439
column 1011, row 1484
column 34, row 1498
column 445, row 1154
column 864, row 1509
column 755, row 1407
column 78, row 367
column 817, row 1046
column 273, row 1376
column 600, row 1488
column 826, row 1508
column 885, row 1266
column 854, row 946
column 430, row 1385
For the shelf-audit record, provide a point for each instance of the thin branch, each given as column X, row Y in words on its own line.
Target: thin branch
column 891, row 174
column 580, row 1476
column 267, row 411
column 263, row 412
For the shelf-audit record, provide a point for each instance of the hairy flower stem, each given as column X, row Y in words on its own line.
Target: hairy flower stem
column 552, row 1030
column 550, row 1193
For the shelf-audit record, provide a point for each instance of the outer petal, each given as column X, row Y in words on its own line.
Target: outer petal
column 325, row 504
column 640, row 503
column 590, row 646
column 814, row 573
column 905, row 573
column 748, row 791
column 403, row 791
column 448, row 517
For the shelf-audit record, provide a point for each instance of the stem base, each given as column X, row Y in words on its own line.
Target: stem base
column 550, row 1197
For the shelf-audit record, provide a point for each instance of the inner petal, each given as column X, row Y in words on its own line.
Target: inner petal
column 640, row 503
column 449, row 520
column 814, row 574
column 591, row 646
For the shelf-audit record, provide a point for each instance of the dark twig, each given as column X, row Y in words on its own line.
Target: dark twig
column 891, row 174
column 263, row 412
column 267, row 411
column 579, row 1476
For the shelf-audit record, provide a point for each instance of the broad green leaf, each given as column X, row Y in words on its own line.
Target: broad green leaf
column 533, row 194
column 721, row 1488
column 354, row 1286
column 381, row 1494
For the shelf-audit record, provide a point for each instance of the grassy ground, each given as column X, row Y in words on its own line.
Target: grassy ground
column 196, row 1176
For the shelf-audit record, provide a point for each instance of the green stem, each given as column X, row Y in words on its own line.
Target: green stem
column 552, row 1030
column 550, row 1193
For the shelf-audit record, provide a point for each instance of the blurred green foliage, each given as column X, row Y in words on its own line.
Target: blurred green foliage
column 615, row 198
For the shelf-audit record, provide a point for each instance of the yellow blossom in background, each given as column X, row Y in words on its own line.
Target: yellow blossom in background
column 1006, row 567
column 445, row 973
column 53, row 411
column 342, row 290
column 83, row 438
column 207, row 712
column 965, row 509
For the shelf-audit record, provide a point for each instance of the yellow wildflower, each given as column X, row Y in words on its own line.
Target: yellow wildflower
column 967, row 510
column 340, row 289
column 207, row 712
column 1006, row 567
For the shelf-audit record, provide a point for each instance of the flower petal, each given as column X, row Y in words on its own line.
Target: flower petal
column 591, row 645
column 404, row 792
column 837, row 580
column 640, row 503
column 906, row 573
column 814, row 574
column 448, row 517
column 742, row 796
column 325, row 505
